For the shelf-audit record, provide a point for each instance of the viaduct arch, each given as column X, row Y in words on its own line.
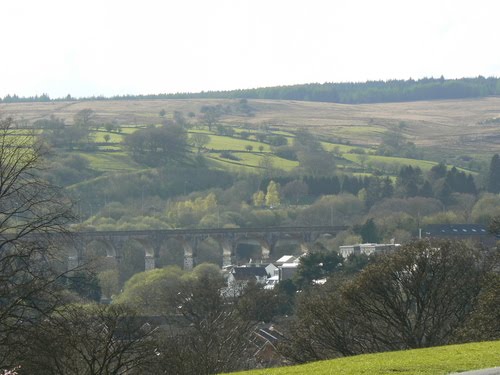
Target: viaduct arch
column 228, row 238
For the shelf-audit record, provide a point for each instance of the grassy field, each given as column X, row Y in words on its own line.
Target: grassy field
column 443, row 129
column 111, row 161
column 113, row 137
column 446, row 126
column 218, row 142
column 432, row 361
column 252, row 161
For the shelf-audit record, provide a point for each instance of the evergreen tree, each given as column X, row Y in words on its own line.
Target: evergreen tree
column 369, row 231
column 444, row 195
column 335, row 185
column 426, row 190
column 378, row 189
column 437, row 171
column 387, row 188
column 408, row 181
column 472, row 189
column 494, row 175
column 317, row 265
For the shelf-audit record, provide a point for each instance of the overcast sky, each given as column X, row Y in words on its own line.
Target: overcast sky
column 114, row 47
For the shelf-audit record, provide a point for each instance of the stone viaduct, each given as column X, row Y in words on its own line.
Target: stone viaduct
column 154, row 240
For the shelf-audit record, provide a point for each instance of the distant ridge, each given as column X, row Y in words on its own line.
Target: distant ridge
column 345, row 93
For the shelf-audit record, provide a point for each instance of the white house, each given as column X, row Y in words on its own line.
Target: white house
column 239, row 277
column 367, row 248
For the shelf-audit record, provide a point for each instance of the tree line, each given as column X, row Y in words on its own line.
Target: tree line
column 345, row 92
column 427, row 293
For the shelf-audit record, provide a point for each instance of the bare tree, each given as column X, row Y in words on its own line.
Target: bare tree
column 485, row 322
column 426, row 293
column 199, row 140
column 93, row 340
column 420, row 295
column 30, row 209
column 294, row 190
column 84, row 118
column 211, row 335
column 211, row 115
column 322, row 327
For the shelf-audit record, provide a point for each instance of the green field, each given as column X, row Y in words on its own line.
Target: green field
column 391, row 160
column 398, row 162
column 341, row 147
column 431, row 361
column 111, row 156
column 443, row 129
column 218, row 142
column 114, row 137
column 111, row 162
column 251, row 161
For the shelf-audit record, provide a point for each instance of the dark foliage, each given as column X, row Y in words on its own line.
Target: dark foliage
column 157, row 146
column 349, row 92
column 369, row 231
column 494, row 175
column 427, row 293
column 317, row 265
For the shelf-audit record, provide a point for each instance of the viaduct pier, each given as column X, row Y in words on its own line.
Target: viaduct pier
column 152, row 241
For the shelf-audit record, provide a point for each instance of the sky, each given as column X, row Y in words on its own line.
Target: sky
column 118, row 47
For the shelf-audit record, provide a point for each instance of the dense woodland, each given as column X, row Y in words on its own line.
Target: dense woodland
column 194, row 170
column 347, row 93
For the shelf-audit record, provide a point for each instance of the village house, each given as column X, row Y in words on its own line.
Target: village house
column 367, row 249
column 239, row 277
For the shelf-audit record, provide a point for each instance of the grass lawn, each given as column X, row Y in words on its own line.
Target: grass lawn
column 114, row 137
column 342, row 148
column 250, row 161
column 230, row 165
column 424, row 165
column 284, row 133
column 111, row 161
column 432, row 361
column 219, row 142
column 129, row 129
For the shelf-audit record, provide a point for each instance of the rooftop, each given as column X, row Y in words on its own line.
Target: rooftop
column 456, row 230
column 247, row 273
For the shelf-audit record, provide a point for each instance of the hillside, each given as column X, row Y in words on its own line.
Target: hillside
column 442, row 128
column 441, row 360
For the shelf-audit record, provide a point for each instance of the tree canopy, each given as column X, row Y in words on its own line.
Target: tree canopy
column 157, row 146
column 345, row 92
column 424, row 294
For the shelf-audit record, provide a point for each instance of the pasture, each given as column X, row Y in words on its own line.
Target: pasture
column 442, row 129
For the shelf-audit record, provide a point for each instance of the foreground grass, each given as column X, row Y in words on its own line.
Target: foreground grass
column 440, row 360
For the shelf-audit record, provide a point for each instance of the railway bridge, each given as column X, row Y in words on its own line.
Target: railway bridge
column 154, row 240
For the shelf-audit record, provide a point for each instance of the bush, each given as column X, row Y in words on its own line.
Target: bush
column 228, row 155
